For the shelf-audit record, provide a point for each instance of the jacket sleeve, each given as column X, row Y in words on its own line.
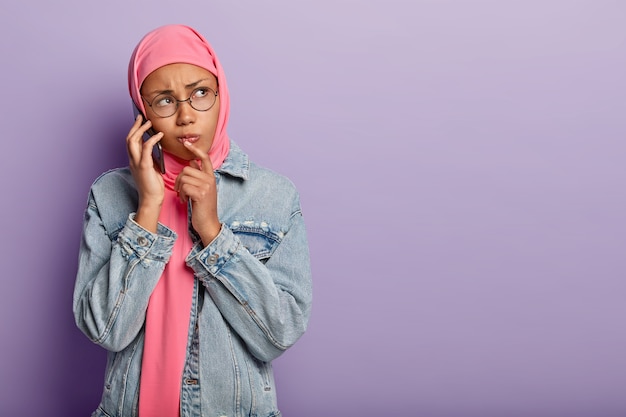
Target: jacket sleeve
column 267, row 304
column 116, row 275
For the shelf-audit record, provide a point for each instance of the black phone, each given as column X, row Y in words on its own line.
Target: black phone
column 157, row 150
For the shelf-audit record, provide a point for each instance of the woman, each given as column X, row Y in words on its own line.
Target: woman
column 194, row 279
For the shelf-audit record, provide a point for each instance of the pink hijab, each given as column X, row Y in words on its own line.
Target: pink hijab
column 173, row 44
column 168, row 313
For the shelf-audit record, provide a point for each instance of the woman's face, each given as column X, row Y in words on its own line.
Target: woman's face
column 187, row 124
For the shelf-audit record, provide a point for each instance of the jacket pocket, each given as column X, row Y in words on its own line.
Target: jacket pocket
column 259, row 238
column 262, row 387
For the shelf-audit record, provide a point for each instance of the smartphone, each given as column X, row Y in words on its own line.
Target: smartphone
column 157, row 150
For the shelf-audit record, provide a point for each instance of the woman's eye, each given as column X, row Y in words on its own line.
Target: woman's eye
column 163, row 101
column 200, row 92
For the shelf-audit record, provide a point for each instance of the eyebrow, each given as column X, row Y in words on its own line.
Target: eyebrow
column 187, row 87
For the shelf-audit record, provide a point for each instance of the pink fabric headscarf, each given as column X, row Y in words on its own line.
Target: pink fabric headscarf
column 172, row 44
column 167, row 317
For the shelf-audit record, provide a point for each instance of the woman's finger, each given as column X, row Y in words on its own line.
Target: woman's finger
column 205, row 161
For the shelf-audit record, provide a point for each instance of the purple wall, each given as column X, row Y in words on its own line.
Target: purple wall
column 461, row 166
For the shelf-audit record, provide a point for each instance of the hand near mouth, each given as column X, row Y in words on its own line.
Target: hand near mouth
column 196, row 182
column 188, row 139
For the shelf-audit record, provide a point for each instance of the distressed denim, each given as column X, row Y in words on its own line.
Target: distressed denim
column 252, row 293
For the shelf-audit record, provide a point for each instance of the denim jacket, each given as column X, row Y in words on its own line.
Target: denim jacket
column 252, row 292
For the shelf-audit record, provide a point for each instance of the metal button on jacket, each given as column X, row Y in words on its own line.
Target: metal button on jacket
column 213, row 259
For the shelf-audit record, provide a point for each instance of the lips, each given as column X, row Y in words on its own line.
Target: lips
column 188, row 138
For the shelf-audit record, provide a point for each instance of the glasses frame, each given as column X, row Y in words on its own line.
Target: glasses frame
column 177, row 101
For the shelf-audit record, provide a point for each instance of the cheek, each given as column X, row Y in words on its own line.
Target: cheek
column 158, row 125
column 168, row 143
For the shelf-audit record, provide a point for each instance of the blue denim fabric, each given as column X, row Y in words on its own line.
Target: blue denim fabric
column 251, row 301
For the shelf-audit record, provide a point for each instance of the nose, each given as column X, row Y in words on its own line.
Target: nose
column 185, row 114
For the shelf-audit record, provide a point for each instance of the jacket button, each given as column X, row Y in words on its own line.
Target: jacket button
column 142, row 241
column 213, row 259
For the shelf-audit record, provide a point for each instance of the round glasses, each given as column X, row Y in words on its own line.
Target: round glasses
column 200, row 99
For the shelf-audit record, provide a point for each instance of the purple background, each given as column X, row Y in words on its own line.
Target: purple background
column 461, row 168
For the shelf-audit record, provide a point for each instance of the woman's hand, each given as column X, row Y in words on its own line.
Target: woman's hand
column 149, row 181
column 196, row 182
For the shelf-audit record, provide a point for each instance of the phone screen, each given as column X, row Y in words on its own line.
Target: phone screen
column 157, row 150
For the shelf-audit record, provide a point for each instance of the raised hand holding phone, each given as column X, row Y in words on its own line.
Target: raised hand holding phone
column 150, row 184
column 157, row 150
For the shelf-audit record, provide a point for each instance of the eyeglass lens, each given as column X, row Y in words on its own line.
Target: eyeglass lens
column 201, row 99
